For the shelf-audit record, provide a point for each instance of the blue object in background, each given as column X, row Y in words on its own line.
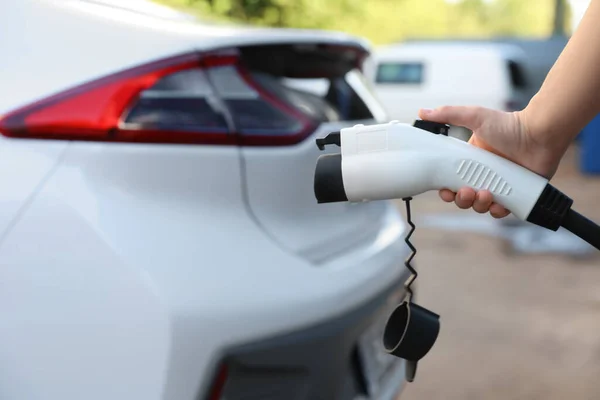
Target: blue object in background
column 589, row 144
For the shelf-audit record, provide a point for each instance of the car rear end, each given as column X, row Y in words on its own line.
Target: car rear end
column 169, row 245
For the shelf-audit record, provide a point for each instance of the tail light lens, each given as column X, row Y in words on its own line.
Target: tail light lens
column 190, row 99
column 217, row 386
column 247, row 380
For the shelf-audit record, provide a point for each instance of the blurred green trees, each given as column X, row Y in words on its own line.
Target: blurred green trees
column 383, row 21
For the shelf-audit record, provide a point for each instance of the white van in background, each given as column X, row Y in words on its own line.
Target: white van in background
column 410, row 76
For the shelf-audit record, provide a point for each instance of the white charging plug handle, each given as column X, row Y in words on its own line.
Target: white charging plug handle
column 395, row 160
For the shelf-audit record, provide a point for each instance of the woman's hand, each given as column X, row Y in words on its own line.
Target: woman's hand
column 505, row 134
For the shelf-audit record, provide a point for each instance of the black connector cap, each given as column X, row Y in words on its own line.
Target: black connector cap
column 329, row 183
column 411, row 331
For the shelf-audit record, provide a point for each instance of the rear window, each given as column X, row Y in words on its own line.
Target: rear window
column 199, row 100
column 251, row 111
column 272, row 92
column 183, row 101
column 400, row 73
column 324, row 82
column 344, row 98
column 335, row 100
column 517, row 75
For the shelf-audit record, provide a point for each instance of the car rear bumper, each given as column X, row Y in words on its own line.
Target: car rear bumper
column 121, row 249
column 332, row 360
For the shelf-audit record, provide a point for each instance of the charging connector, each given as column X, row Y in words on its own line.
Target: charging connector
column 399, row 161
column 396, row 160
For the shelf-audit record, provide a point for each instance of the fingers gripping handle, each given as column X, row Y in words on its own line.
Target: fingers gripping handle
column 389, row 161
column 511, row 185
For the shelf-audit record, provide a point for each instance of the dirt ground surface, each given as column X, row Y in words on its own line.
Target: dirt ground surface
column 524, row 327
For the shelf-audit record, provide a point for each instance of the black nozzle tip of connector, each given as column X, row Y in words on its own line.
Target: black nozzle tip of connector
column 329, row 183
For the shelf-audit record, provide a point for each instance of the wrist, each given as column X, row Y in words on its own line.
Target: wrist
column 546, row 128
column 545, row 141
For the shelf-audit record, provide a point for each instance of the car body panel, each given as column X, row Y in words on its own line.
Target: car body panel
column 128, row 270
column 18, row 180
column 147, row 291
column 292, row 216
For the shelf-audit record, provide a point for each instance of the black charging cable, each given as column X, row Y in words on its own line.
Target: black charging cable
column 553, row 210
column 582, row 227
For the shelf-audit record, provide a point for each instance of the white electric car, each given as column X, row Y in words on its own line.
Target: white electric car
column 159, row 234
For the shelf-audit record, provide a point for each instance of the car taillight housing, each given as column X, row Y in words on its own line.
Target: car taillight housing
column 189, row 99
column 217, row 386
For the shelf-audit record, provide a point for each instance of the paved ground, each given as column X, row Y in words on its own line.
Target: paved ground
column 524, row 327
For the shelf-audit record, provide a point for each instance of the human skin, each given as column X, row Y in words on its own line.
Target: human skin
column 538, row 136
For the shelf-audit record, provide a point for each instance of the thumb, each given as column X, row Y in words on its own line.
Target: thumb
column 467, row 117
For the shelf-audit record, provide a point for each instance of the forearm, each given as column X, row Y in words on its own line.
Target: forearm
column 570, row 96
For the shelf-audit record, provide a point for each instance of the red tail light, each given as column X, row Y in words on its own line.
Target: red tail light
column 154, row 103
column 218, row 385
column 91, row 111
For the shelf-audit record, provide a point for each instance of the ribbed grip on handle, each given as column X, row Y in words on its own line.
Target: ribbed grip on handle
column 481, row 177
